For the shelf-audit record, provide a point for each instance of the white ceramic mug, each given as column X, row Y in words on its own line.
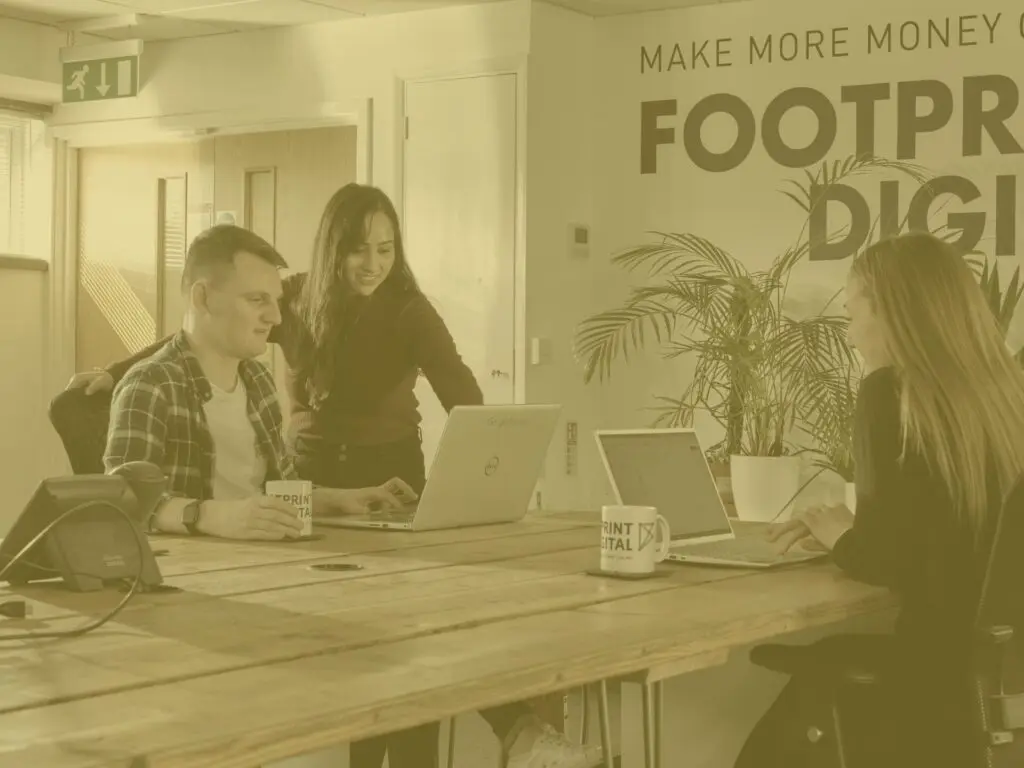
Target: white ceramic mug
column 298, row 493
column 630, row 539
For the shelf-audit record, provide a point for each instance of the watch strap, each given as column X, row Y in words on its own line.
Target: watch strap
column 149, row 524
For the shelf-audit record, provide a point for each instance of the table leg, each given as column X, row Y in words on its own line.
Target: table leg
column 606, row 724
column 584, row 715
column 659, row 722
column 650, row 737
column 451, row 743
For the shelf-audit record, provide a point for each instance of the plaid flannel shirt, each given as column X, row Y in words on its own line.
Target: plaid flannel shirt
column 157, row 416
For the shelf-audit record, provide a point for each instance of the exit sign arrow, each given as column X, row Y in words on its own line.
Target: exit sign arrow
column 103, row 87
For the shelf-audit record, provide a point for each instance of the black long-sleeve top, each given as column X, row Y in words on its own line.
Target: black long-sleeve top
column 907, row 535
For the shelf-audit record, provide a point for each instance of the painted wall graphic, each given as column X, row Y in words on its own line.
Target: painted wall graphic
column 726, row 102
column 753, row 132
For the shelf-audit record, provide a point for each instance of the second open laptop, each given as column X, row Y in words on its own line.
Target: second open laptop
column 485, row 471
column 667, row 469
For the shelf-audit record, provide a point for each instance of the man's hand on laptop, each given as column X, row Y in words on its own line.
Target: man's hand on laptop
column 259, row 517
column 96, row 380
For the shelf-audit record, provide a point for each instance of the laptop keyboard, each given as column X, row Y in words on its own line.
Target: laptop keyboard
column 750, row 549
column 403, row 515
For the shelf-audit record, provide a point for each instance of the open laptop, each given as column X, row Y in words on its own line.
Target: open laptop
column 485, row 470
column 667, row 469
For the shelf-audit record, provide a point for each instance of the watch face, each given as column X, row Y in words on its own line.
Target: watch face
column 190, row 514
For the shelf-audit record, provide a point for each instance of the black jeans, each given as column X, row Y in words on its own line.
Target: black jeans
column 362, row 466
column 910, row 718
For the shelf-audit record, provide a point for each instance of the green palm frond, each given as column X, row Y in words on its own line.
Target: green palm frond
column 605, row 336
column 681, row 253
column 1003, row 304
column 829, row 174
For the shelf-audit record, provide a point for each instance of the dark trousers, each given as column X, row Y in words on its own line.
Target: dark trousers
column 910, row 718
column 355, row 466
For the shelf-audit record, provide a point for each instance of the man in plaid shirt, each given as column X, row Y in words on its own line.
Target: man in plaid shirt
column 207, row 413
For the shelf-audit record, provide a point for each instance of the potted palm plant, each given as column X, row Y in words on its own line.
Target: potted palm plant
column 1003, row 304
column 829, row 424
column 758, row 371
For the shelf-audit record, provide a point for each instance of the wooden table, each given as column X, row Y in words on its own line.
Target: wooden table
column 260, row 658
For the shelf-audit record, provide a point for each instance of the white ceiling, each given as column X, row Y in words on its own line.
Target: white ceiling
column 172, row 19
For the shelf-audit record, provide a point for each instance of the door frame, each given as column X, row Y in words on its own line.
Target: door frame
column 517, row 68
column 167, row 129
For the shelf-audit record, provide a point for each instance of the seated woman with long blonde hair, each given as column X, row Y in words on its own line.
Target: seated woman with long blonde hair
column 938, row 444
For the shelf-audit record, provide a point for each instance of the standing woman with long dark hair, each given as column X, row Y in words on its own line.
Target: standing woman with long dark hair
column 358, row 334
column 356, row 331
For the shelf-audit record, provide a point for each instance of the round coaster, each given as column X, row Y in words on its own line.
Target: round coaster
column 659, row 573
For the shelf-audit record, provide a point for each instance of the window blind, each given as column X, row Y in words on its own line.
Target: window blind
column 6, row 185
column 14, row 154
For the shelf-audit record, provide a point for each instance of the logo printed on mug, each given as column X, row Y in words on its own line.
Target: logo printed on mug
column 629, row 537
column 298, row 493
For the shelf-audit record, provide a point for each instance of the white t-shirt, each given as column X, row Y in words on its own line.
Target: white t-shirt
column 238, row 468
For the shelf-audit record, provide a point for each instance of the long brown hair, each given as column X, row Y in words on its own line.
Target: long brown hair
column 326, row 305
column 962, row 393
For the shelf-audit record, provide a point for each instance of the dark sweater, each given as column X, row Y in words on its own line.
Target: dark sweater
column 906, row 534
column 387, row 339
column 391, row 338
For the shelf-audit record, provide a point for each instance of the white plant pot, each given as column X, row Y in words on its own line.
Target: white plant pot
column 762, row 486
column 851, row 497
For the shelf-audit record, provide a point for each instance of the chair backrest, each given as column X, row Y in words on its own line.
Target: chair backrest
column 999, row 668
column 81, row 421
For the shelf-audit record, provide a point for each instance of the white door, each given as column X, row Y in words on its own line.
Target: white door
column 277, row 183
column 459, row 225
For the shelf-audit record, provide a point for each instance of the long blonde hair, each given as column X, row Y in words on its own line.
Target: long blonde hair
column 961, row 391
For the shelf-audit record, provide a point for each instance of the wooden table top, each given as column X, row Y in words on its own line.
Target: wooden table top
column 261, row 658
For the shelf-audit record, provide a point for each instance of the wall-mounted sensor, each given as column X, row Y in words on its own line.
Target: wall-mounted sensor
column 579, row 241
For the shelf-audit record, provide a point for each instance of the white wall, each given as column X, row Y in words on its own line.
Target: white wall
column 584, row 150
column 30, row 51
column 284, row 72
column 29, row 449
column 30, row 68
column 561, row 176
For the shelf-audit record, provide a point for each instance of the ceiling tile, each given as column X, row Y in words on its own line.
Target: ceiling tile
column 381, row 7
column 162, row 28
column 266, row 13
column 174, row 6
column 56, row 11
column 623, row 7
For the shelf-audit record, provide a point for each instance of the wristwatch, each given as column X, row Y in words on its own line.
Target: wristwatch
column 149, row 524
column 190, row 517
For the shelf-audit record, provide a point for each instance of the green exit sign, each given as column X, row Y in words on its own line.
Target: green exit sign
column 101, row 79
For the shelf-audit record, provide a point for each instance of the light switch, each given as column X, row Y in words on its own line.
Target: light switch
column 540, row 351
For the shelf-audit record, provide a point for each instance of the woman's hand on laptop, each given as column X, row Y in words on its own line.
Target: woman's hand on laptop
column 828, row 524
column 815, row 528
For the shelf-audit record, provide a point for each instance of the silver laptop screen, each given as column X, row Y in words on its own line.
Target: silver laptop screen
column 667, row 470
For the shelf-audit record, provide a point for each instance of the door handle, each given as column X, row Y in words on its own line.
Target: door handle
column 496, row 374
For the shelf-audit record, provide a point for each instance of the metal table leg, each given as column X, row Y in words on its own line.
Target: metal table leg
column 606, row 724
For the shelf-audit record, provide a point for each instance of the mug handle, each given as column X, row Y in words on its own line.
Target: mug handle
column 666, row 539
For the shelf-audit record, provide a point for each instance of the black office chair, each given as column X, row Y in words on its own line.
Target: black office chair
column 996, row 670
column 81, row 421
